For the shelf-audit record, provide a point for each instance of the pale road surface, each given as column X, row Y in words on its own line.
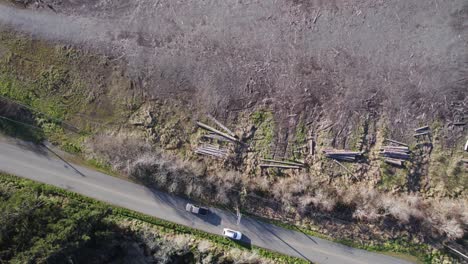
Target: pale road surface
column 39, row 164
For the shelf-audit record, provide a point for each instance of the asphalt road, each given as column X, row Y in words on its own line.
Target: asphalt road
column 37, row 163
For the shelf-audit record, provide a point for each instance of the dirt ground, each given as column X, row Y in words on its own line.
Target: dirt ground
column 407, row 57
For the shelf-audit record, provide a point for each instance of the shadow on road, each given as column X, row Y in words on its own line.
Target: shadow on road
column 31, row 146
column 245, row 242
column 305, row 234
column 67, row 164
column 286, row 243
column 211, row 218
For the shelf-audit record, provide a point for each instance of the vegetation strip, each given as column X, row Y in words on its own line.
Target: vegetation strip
column 402, row 247
column 167, row 226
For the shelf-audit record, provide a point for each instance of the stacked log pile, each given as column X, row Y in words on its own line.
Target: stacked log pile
column 212, row 150
column 218, row 136
column 395, row 155
column 343, row 155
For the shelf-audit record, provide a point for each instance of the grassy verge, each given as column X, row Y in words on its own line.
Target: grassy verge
column 165, row 226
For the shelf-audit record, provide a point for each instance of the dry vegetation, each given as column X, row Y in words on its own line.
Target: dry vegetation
column 300, row 195
column 359, row 72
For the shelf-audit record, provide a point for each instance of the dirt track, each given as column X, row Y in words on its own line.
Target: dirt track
column 407, row 57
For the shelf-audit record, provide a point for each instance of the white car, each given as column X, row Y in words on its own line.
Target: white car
column 232, row 234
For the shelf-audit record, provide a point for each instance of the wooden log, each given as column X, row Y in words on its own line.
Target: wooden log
column 396, row 162
column 208, row 154
column 212, row 150
column 395, row 147
column 421, row 129
column 342, row 152
column 396, row 142
column 284, row 162
column 214, row 130
column 279, row 166
column 213, row 147
column 222, row 126
column 466, row 146
column 396, row 155
column 421, row 134
column 395, row 150
column 343, row 158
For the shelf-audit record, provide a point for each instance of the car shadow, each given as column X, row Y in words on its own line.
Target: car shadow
column 211, row 218
column 245, row 242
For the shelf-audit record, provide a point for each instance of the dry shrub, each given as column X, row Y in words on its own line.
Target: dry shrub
column 448, row 217
column 204, row 246
column 246, row 257
column 298, row 194
column 149, row 166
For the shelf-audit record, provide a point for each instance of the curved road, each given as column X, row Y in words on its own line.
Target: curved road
column 40, row 164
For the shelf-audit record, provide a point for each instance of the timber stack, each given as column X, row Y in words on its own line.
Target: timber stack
column 215, row 139
column 212, row 150
column 395, row 155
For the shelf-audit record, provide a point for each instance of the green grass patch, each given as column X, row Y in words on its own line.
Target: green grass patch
column 168, row 227
column 61, row 84
column 392, row 177
column 264, row 135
